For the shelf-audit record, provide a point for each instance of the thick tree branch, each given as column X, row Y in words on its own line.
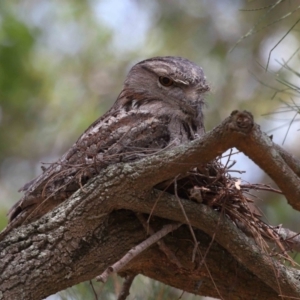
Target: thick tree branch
column 78, row 240
column 292, row 161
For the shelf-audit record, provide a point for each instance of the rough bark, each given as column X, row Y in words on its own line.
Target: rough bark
column 95, row 227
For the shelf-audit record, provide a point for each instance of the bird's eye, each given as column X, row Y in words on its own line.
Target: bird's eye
column 165, row 81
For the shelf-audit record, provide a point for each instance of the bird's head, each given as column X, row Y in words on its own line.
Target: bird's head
column 166, row 78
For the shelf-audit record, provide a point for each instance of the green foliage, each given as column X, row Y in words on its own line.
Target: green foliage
column 19, row 82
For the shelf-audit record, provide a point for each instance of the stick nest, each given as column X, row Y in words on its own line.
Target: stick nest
column 214, row 186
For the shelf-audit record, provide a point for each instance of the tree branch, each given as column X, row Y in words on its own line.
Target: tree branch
column 79, row 239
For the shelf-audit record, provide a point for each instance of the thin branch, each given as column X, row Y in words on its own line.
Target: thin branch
column 93, row 289
column 260, row 187
column 284, row 36
column 161, row 244
column 253, row 30
column 126, row 287
column 116, row 267
column 187, row 221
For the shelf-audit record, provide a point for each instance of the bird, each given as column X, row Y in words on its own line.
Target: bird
column 160, row 106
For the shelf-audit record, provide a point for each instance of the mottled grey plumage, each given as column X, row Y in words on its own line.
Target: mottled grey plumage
column 160, row 105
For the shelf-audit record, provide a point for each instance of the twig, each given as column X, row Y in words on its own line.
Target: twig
column 293, row 238
column 95, row 294
column 187, row 219
column 132, row 253
column 262, row 187
column 153, row 208
column 126, row 287
column 161, row 244
column 211, row 242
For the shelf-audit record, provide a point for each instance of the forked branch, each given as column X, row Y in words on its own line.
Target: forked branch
column 65, row 243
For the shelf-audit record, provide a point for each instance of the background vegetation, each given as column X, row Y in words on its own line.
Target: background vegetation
column 62, row 65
